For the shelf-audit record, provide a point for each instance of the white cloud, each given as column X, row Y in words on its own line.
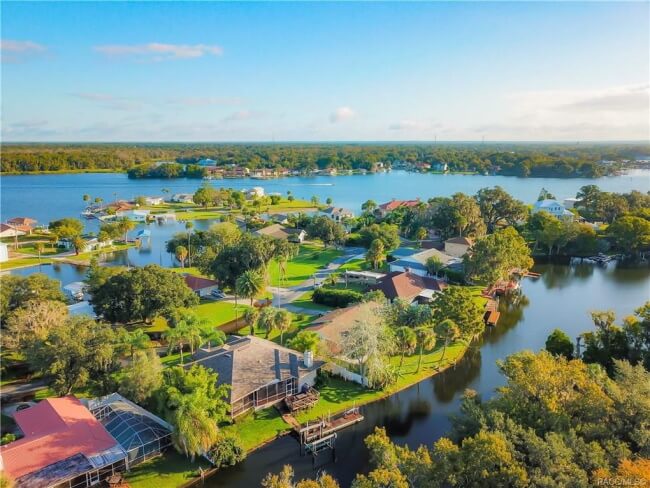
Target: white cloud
column 155, row 51
column 405, row 125
column 610, row 113
column 242, row 115
column 111, row 102
column 203, row 101
column 17, row 51
column 342, row 114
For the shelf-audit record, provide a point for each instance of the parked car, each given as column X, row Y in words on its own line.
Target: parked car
column 218, row 294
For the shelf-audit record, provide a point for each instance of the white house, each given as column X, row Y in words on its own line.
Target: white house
column 154, row 200
column 338, row 214
column 10, row 231
column 554, row 208
column 255, row 192
column 4, row 252
column 417, row 263
column 571, row 202
column 182, row 198
column 134, row 215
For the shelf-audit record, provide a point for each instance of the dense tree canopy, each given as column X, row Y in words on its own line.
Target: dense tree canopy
column 141, row 294
column 556, row 423
column 495, row 256
column 16, row 290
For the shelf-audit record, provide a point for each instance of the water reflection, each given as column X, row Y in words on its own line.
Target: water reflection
column 449, row 384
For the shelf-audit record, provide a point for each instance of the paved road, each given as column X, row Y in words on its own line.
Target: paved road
column 285, row 296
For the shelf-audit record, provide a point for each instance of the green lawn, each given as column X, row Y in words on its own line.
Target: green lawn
column 310, row 259
column 167, row 471
column 304, row 301
column 216, row 312
column 337, row 395
column 299, row 322
column 23, row 262
column 87, row 255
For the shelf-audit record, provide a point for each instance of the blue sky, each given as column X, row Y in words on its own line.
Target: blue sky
column 325, row 71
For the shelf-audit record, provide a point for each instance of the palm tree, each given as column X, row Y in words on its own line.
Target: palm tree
column 426, row 339
column 250, row 318
column 210, row 335
column 79, row 244
column 40, row 247
column 282, row 322
column 266, row 320
column 181, row 254
column 332, row 279
column 136, row 340
column 186, row 332
column 195, row 432
column 448, row 331
column 249, row 284
column 188, row 228
column 406, row 341
column 125, row 225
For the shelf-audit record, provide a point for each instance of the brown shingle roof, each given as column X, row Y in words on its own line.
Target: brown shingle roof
column 198, row 283
column 393, row 204
column 333, row 326
column 399, row 284
column 22, row 221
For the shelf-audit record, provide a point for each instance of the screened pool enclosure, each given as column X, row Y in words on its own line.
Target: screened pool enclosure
column 141, row 434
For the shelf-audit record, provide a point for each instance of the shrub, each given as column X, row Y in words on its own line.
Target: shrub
column 336, row 298
column 227, row 451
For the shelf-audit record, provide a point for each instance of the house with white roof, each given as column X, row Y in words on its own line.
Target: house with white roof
column 553, row 207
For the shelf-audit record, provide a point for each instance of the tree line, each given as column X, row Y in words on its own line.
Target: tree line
column 559, row 160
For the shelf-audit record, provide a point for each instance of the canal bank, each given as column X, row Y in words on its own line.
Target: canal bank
column 420, row 414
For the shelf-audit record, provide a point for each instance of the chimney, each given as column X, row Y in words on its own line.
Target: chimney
column 308, row 359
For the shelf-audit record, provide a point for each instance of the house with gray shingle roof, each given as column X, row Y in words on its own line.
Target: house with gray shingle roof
column 260, row 373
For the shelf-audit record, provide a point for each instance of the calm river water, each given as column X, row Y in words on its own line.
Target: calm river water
column 562, row 297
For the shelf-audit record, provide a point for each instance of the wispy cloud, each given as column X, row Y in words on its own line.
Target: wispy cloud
column 155, row 51
column 204, row 101
column 242, row 115
column 342, row 114
column 111, row 102
column 12, row 51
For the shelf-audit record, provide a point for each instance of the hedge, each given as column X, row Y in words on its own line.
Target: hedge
column 336, row 298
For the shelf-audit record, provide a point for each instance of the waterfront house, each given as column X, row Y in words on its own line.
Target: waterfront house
column 333, row 327
column 410, row 287
column 203, row 287
column 279, row 231
column 10, row 231
column 417, row 263
column 137, row 215
column 571, row 202
column 260, row 373
column 337, row 214
column 386, row 208
column 255, row 192
column 458, row 246
column 553, row 207
column 206, row 162
column 154, row 201
column 23, row 224
column 63, row 444
column 182, row 198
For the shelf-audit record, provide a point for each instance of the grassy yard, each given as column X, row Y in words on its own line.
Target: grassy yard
column 167, row 471
column 216, row 312
column 87, row 255
column 299, row 322
column 23, row 263
column 310, row 259
column 337, row 395
column 304, row 301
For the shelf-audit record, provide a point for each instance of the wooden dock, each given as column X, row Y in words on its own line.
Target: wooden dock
column 315, row 431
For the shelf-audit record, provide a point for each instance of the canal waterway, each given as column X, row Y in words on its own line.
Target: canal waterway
column 561, row 298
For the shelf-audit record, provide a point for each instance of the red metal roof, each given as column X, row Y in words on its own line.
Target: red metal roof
column 393, row 204
column 55, row 429
column 403, row 284
column 197, row 283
